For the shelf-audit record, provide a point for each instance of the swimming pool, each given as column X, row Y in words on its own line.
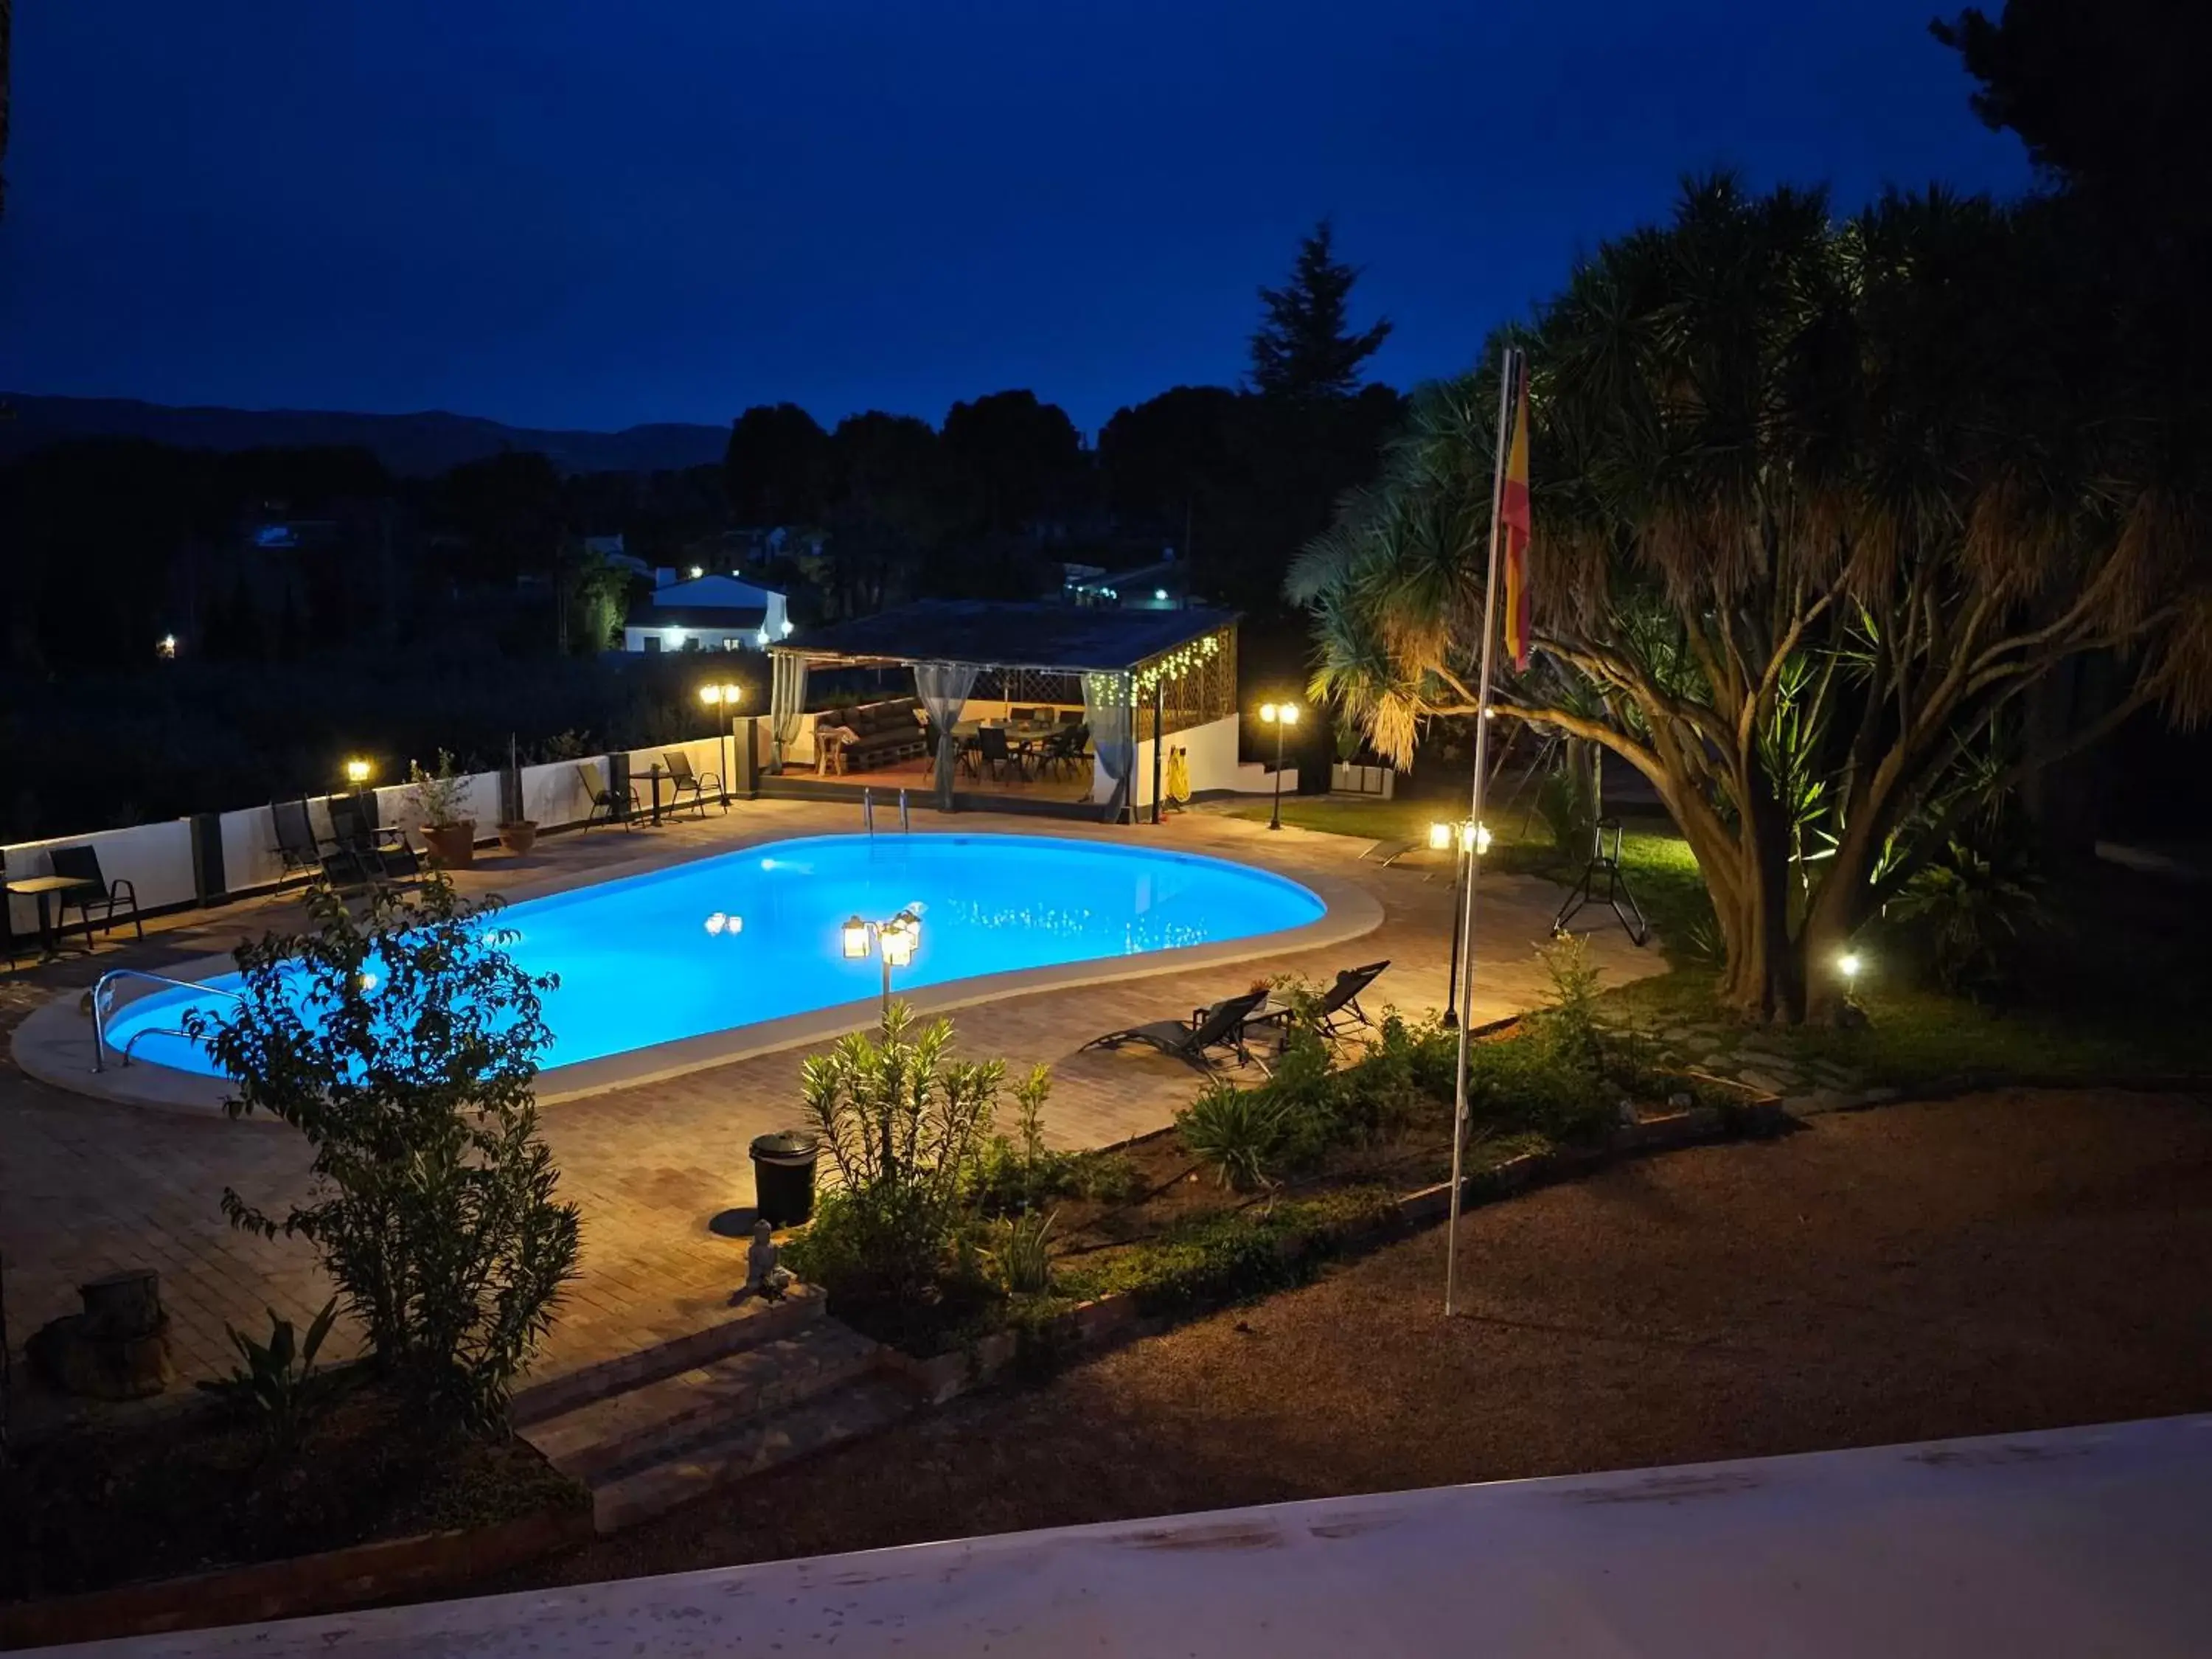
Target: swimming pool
column 752, row 936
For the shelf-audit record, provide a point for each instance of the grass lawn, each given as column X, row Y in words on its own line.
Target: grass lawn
column 1993, row 1263
column 2114, row 981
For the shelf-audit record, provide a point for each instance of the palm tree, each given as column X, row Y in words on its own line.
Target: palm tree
column 1816, row 505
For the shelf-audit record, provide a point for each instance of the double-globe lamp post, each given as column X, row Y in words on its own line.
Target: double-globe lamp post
column 1465, row 840
column 1278, row 715
column 895, row 941
column 723, row 699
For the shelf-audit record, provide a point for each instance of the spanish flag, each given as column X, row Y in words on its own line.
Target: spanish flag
column 1513, row 519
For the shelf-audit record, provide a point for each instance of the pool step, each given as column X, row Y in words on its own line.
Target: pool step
column 647, row 1447
column 749, row 1325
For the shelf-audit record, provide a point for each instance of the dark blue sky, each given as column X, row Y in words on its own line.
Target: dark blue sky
column 594, row 212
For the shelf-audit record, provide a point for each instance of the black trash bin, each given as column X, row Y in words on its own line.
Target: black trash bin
column 783, row 1175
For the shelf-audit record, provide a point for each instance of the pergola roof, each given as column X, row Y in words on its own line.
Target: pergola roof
column 993, row 634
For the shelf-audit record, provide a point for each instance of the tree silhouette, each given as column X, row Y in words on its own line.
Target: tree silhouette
column 1304, row 348
column 776, row 466
column 1818, row 507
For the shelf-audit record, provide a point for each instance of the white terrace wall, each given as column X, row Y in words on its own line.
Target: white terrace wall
column 1211, row 750
column 157, row 857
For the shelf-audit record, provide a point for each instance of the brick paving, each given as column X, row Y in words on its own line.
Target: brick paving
column 88, row 1187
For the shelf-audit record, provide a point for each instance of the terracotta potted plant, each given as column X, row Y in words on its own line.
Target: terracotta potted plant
column 517, row 834
column 439, row 797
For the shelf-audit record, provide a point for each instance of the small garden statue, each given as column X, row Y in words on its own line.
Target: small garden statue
column 763, row 1277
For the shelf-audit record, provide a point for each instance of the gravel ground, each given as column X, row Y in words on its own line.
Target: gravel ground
column 2005, row 1262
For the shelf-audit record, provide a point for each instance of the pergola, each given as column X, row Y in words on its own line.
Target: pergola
column 1140, row 675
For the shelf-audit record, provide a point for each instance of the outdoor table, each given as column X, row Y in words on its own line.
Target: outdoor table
column 43, row 887
column 655, row 773
column 1273, row 1011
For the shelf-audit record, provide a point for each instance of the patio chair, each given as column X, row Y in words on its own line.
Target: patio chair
column 1221, row 1026
column 1339, row 1010
column 295, row 838
column 103, row 895
column 683, row 781
column 382, row 855
column 607, row 806
column 991, row 752
column 1063, row 750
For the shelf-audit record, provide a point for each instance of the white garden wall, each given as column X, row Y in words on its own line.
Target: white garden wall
column 155, row 857
column 1211, row 750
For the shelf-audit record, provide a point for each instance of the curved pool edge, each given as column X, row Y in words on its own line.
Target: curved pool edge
column 53, row 1044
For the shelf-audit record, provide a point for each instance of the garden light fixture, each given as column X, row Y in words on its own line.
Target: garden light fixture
column 1278, row 715
column 1848, row 965
column 1468, row 833
column 894, row 941
column 723, row 694
column 1472, row 841
column 357, row 772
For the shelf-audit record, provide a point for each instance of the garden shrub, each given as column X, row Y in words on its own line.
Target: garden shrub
column 1234, row 1256
column 1237, row 1132
column 904, row 1123
column 1962, row 917
column 404, row 1045
column 1021, row 1254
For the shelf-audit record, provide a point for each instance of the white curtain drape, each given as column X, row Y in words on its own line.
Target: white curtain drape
column 1106, row 710
column 943, row 688
column 787, row 700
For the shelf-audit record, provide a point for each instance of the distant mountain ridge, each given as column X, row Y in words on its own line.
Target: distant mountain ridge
column 412, row 444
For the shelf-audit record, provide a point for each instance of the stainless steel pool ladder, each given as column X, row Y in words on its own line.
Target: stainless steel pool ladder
column 868, row 812
column 100, row 1011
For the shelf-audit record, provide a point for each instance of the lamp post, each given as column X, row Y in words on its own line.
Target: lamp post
column 1465, row 840
column 894, row 941
column 1278, row 715
column 723, row 699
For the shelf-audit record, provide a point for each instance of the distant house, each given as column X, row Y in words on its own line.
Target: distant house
column 706, row 613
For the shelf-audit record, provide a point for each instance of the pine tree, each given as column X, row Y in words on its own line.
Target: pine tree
column 1302, row 349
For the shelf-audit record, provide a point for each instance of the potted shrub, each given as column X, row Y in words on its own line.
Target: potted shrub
column 439, row 797
column 517, row 834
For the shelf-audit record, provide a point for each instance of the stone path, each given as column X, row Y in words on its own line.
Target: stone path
column 1768, row 1062
column 88, row 1187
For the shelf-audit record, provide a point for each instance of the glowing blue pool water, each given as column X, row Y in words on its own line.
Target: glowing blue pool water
column 644, row 960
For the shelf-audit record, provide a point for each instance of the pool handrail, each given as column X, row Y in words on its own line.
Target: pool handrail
column 99, row 1008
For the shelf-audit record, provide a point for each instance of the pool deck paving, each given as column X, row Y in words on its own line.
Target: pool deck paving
column 89, row 1186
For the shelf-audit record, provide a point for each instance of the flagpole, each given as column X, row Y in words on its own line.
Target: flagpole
column 1509, row 368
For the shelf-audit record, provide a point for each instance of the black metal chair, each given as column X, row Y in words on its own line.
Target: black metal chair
column 683, row 781
column 1339, row 1010
column 295, row 838
column 383, row 855
column 82, row 864
column 992, row 751
column 7, row 913
column 607, row 806
column 1063, row 750
column 1221, row 1026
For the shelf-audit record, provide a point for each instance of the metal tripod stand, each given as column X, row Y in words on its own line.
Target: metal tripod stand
column 1606, row 862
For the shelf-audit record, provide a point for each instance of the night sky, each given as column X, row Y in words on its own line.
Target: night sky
column 584, row 213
